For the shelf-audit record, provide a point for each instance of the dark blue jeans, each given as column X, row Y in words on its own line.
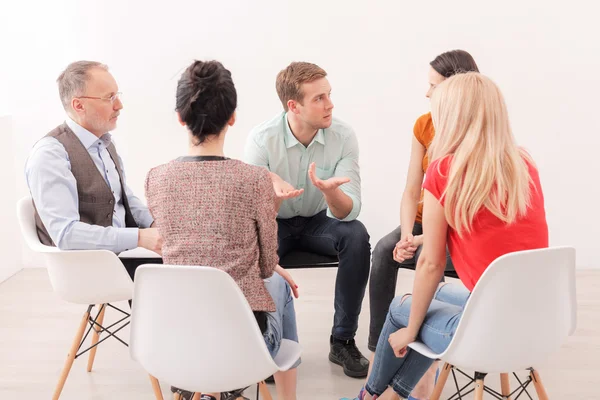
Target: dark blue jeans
column 350, row 242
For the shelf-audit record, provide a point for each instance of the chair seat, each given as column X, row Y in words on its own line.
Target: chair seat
column 305, row 259
column 423, row 349
column 289, row 352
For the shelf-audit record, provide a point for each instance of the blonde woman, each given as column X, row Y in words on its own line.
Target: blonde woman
column 483, row 199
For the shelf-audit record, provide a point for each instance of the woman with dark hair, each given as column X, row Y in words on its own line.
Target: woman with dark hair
column 401, row 247
column 215, row 211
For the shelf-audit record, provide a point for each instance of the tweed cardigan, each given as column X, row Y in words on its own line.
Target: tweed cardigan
column 217, row 212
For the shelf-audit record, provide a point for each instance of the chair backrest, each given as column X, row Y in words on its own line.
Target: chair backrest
column 77, row 276
column 26, row 215
column 192, row 327
column 520, row 312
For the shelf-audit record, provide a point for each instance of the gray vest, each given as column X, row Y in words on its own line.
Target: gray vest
column 96, row 201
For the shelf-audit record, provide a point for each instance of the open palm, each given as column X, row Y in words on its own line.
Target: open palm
column 327, row 184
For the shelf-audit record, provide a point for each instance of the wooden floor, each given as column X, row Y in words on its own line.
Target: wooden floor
column 36, row 330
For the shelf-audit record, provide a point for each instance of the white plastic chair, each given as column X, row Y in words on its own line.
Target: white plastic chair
column 520, row 312
column 83, row 277
column 192, row 327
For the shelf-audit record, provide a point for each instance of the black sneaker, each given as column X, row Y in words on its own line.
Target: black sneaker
column 346, row 354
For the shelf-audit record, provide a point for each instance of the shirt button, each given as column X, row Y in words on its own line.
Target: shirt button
column 107, row 215
column 110, row 202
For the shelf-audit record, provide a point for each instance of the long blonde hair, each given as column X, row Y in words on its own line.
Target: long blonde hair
column 487, row 168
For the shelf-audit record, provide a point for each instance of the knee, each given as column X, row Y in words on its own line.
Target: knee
column 399, row 301
column 355, row 232
column 380, row 265
column 384, row 248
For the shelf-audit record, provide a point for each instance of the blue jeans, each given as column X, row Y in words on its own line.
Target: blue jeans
column 438, row 328
column 350, row 242
column 384, row 274
column 281, row 324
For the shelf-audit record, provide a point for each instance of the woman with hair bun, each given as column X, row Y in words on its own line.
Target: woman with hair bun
column 216, row 211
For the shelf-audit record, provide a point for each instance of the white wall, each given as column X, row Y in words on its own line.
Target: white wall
column 9, row 241
column 544, row 57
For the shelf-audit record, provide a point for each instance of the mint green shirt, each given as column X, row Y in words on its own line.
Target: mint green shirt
column 334, row 150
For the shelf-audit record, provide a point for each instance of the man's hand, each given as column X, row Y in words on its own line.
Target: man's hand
column 325, row 185
column 286, row 275
column 284, row 190
column 150, row 239
column 406, row 248
column 399, row 341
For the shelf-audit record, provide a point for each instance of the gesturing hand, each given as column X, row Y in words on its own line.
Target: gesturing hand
column 325, row 185
column 284, row 190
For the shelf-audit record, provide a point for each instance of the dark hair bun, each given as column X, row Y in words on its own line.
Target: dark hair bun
column 206, row 98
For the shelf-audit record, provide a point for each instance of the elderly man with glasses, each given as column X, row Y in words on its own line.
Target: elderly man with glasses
column 76, row 178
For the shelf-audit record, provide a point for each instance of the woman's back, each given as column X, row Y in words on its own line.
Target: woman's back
column 490, row 237
column 217, row 212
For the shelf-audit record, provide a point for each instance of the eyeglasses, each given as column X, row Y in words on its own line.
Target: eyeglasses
column 112, row 98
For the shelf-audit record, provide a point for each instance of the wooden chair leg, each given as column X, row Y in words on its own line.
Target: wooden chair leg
column 505, row 385
column 479, row 389
column 539, row 387
column 264, row 391
column 156, row 388
column 441, row 382
column 95, row 337
column 71, row 355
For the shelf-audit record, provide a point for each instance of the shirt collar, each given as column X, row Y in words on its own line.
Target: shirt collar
column 87, row 138
column 291, row 141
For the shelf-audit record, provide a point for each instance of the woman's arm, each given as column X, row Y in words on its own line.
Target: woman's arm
column 432, row 261
column 412, row 190
column 430, row 269
column 405, row 249
column 266, row 224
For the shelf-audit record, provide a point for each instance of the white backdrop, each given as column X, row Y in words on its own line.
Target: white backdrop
column 545, row 58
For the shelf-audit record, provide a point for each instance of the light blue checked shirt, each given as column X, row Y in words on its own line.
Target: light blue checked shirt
column 54, row 191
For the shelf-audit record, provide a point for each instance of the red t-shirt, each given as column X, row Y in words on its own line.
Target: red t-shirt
column 490, row 237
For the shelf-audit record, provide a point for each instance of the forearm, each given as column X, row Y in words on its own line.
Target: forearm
column 82, row 236
column 339, row 203
column 140, row 212
column 277, row 200
column 267, row 227
column 408, row 213
column 427, row 278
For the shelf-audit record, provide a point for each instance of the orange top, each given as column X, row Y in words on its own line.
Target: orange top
column 424, row 133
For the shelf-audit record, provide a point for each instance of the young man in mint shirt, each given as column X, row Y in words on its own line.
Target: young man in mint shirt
column 313, row 160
